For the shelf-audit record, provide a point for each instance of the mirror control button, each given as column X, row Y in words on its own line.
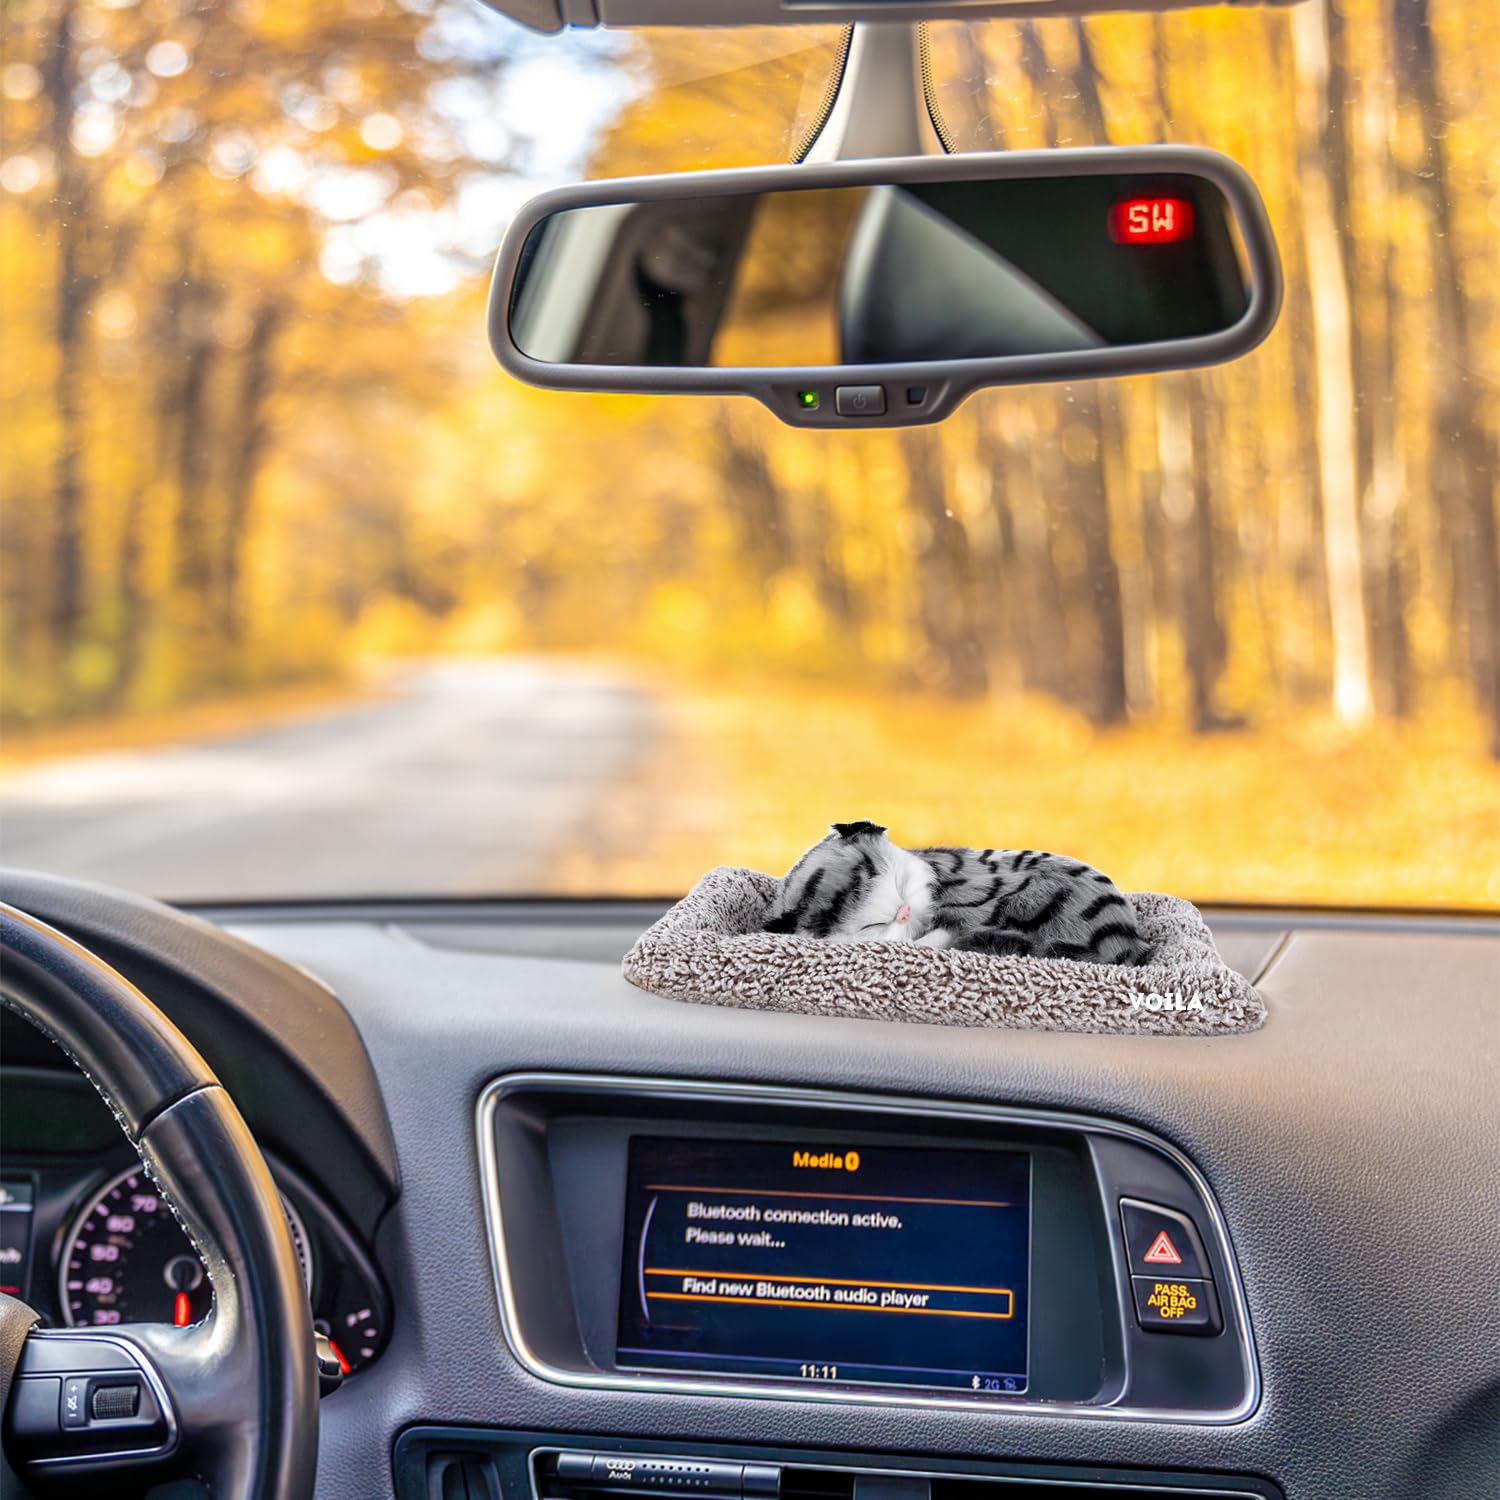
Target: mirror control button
column 859, row 400
column 1170, row 1306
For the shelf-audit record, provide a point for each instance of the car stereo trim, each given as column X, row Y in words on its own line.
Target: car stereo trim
column 592, row 1085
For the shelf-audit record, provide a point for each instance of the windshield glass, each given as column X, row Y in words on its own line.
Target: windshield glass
column 304, row 597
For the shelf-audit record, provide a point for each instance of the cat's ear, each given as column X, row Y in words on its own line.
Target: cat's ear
column 858, row 830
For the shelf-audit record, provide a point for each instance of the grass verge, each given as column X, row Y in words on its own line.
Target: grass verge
column 1301, row 812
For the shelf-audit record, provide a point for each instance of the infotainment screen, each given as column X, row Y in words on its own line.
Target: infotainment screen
column 845, row 1263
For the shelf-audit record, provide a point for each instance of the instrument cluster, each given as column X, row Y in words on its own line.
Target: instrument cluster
column 95, row 1244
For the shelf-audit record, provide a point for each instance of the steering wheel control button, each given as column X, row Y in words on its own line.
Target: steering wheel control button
column 73, row 1355
column 1162, row 1242
column 115, row 1403
column 1168, row 1306
column 74, row 1411
column 859, row 400
column 33, row 1411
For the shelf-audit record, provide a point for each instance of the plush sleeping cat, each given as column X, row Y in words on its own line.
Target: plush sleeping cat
column 856, row 886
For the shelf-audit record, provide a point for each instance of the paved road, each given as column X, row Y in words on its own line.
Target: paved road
column 469, row 777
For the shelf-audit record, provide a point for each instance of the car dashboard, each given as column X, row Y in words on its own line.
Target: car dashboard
column 574, row 1237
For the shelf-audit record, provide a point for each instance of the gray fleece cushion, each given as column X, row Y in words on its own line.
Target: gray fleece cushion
column 710, row 949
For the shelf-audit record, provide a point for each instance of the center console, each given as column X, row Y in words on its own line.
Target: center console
column 783, row 1243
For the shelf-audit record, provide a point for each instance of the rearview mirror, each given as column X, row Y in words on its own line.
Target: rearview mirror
column 884, row 292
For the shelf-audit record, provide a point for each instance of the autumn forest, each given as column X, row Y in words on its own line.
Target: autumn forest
column 250, row 435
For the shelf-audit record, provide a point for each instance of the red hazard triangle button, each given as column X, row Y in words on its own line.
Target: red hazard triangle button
column 1162, row 1252
column 1162, row 1241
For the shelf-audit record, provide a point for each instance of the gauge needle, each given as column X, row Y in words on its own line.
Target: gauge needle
column 343, row 1363
column 182, row 1310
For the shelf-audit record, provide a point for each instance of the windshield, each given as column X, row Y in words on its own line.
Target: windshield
column 304, row 597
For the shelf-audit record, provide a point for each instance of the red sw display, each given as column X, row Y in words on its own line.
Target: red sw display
column 1151, row 221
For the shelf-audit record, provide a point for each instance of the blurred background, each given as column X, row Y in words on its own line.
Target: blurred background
column 303, row 596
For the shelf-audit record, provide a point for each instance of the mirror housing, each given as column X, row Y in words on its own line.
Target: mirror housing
column 554, row 15
column 923, row 279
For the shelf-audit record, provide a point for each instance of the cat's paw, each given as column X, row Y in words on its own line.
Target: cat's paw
column 938, row 937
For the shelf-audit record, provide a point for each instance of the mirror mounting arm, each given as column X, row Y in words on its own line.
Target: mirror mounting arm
column 883, row 104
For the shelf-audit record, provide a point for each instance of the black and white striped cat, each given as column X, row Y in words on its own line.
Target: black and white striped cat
column 856, row 886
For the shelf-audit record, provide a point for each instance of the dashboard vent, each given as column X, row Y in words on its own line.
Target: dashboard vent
column 461, row 1476
column 832, row 1484
column 476, row 1463
column 593, row 1475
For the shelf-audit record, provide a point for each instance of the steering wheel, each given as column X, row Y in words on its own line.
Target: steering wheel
column 231, row 1401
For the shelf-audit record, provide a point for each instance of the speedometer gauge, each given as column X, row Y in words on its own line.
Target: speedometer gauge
column 127, row 1260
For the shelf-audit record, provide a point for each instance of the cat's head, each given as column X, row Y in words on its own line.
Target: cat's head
column 855, row 886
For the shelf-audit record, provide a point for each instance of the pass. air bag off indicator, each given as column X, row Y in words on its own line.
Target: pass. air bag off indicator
column 838, row 1264
column 1176, row 1306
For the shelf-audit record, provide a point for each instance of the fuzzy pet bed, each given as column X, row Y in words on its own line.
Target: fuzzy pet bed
column 710, row 949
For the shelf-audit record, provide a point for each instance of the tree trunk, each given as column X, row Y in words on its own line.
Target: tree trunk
column 1089, row 417
column 73, row 292
column 754, row 498
column 195, row 528
column 945, row 572
column 1184, row 504
column 1039, row 70
column 1380, row 455
column 999, row 592
column 1329, row 287
column 1203, row 550
column 133, row 595
column 1033, row 485
column 246, row 449
column 1151, row 584
column 984, row 131
column 1464, row 460
column 836, row 593
column 1086, row 87
column 1390, row 642
column 1087, row 495
column 1028, row 606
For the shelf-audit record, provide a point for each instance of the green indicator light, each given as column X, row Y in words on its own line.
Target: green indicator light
column 807, row 400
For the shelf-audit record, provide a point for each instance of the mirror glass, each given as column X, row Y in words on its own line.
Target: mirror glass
column 888, row 273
